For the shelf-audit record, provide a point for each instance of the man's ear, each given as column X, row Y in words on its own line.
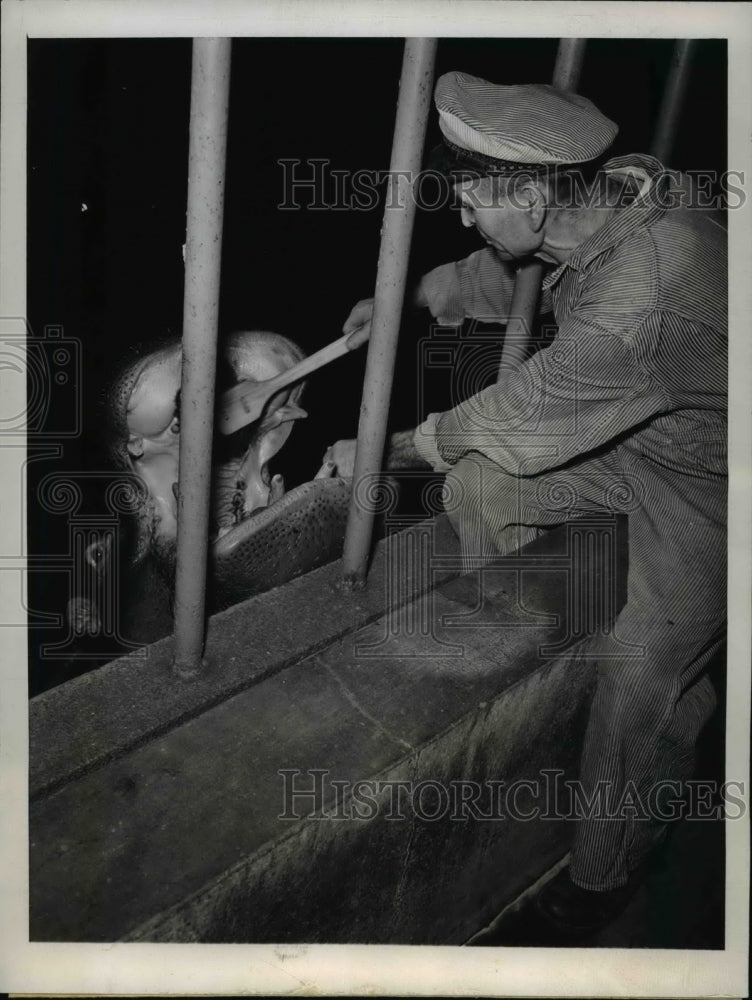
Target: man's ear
column 536, row 204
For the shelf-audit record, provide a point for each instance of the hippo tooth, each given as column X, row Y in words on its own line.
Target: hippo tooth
column 277, row 490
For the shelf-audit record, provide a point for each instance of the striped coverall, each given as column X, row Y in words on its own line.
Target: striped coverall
column 624, row 411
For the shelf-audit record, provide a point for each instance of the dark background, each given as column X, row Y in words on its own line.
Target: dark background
column 108, row 129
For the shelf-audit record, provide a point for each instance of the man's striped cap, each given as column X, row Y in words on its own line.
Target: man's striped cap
column 501, row 129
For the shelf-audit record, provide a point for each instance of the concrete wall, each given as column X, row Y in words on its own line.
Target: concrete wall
column 163, row 818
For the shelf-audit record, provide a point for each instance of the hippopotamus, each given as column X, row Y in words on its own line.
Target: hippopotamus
column 261, row 536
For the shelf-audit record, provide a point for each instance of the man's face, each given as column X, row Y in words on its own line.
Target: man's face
column 502, row 220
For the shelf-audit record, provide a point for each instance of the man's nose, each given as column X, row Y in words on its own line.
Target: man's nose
column 467, row 218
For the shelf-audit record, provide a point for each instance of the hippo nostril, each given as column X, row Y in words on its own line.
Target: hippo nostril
column 175, row 491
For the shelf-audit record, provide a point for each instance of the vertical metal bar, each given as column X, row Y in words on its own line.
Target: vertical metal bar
column 522, row 311
column 673, row 100
column 568, row 65
column 210, row 85
column 407, row 148
column 527, row 286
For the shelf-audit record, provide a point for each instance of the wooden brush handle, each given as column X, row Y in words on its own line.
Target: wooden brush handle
column 244, row 402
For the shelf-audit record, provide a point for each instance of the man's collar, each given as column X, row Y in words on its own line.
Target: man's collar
column 650, row 203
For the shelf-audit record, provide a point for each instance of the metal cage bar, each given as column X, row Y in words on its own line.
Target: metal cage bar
column 673, row 100
column 527, row 285
column 210, row 86
column 409, row 135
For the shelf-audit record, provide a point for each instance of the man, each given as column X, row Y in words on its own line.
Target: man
column 626, row 409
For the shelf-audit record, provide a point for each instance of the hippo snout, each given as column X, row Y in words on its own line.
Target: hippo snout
column 261, row 535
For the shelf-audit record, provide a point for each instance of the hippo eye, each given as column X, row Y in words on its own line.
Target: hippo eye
column 95, row 555
column 99, row 555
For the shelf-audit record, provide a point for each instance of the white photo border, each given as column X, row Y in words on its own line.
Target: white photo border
column 33, row 967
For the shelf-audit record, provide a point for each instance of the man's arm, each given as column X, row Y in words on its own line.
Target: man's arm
column 569, row 399
column 479, row 287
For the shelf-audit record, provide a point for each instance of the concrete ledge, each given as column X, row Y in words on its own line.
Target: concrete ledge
column 181, row 838
column 87, row 721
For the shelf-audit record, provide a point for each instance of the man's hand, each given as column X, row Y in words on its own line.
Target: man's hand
column 341, row 457
column 360, row 317
column 400, row 454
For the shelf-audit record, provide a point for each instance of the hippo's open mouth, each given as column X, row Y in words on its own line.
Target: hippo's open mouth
column 261, row 536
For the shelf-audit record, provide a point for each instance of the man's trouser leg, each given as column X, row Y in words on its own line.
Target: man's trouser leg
column 647, row 713
column 651, row 699
column 651, row 705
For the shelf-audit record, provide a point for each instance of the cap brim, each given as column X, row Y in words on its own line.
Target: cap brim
column 453, row 164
